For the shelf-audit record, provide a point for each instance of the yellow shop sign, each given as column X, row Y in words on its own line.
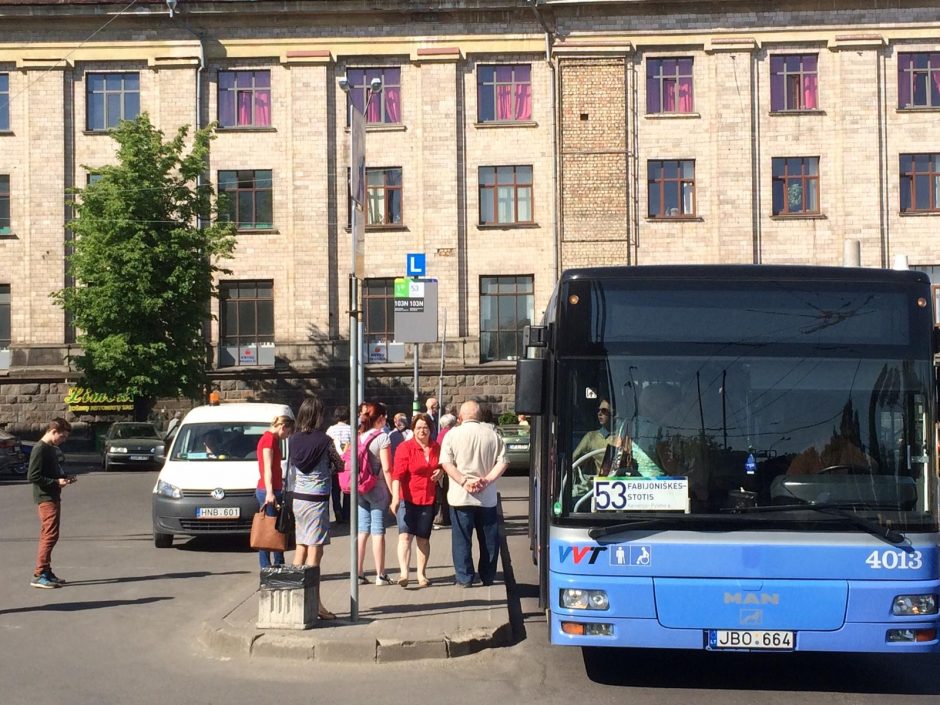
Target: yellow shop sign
column 81, row 399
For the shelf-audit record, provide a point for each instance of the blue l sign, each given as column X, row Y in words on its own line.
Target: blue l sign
column 416, row 265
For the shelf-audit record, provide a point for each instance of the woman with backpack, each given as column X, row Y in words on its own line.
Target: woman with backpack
column 414, row 484
column 312, row 459
column 373, row 505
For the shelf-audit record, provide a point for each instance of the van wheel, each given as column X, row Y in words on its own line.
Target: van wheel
column 162, row 540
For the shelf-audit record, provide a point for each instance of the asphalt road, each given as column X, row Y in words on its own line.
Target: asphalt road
column 124, row 631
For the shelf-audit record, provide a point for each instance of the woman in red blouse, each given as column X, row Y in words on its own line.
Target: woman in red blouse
column 414, row 480
column 268, row 491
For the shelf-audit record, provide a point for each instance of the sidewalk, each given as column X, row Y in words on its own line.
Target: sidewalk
column 443, row 620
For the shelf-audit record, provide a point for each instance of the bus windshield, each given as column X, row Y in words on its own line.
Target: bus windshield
column 710, row 409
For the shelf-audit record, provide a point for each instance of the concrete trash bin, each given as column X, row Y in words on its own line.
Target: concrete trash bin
column 289, row 597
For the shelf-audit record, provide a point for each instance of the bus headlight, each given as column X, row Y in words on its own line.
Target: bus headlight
column 577, row 599
column 908, row 605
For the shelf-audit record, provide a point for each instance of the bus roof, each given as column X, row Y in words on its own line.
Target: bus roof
column 726, row 272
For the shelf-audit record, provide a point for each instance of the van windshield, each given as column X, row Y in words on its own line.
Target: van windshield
column 214, row 442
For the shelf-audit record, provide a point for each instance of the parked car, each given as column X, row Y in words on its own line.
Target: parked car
column 12, row 457
column 516, row 437
column 207, row 486
column 133, row 444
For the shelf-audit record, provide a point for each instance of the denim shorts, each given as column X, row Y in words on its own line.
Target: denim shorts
column 372, row 516
column 415, row 519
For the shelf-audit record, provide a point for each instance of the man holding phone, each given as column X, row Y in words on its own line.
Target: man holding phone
column 48, row 479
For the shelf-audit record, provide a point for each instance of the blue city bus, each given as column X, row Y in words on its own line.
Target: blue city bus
column 735, row 458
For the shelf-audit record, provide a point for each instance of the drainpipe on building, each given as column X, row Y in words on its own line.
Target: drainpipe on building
column 549, row 40
column 884, row 214
column 755, row 157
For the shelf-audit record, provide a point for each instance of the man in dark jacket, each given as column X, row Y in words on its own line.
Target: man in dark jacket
column 48, row 479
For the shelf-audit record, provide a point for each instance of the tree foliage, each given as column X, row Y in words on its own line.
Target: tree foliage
column 142, row 269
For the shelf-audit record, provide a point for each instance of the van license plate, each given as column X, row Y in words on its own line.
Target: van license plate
column 747, row 639
column 218, row 512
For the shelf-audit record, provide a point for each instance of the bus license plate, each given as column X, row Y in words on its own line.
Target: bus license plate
column 747, row 639
column 218, row 512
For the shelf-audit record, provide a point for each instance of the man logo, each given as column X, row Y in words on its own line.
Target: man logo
column 752, row 598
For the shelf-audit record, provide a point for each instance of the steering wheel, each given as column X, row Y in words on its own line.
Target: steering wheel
column 851, row 468
column 582, row 484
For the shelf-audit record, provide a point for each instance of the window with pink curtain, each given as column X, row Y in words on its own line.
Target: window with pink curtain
column 919, row 80
column 385, row 106
column 669, row 86
column 244, row 98
column 504, row 93
column 794, row 82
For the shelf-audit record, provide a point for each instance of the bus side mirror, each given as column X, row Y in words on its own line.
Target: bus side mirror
column 530, row 374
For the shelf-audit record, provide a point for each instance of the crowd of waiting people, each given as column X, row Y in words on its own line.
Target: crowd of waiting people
column 434, row 471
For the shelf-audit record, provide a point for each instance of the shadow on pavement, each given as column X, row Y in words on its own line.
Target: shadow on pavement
column 80, row 606
column 160, row 576
column 804, row 672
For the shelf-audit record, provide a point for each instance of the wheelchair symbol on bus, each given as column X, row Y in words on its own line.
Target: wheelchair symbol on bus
column 624, row 556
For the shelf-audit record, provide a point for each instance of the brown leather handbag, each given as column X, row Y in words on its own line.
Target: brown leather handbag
column 264, row 533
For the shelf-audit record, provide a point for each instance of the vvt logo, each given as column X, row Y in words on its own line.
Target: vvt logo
column 578, row 553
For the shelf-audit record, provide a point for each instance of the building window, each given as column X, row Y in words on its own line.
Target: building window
column 385, row 106
column 795, row 185
column 249, row 196
column 669, row 86
column 5, row 337
column 4, row 101
column 383, row 196
column 111, row 97
column 504, row 93
column 505, row 194
column 919, row 80
column 378, row 304
column 506, row 307
column 793, row 82
column 920, row 183
column 244, row 98
column 671, row 187
column 5, row 204
column 246, row 323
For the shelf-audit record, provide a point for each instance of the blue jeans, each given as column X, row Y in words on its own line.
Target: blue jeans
column 465, row 521
column 266, row 559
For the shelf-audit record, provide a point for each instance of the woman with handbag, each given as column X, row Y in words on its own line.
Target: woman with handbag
column 269, row 490
column 414, row 484
column 312, row 459
column 373, row 505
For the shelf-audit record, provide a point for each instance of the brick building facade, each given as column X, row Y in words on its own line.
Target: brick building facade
column 511, row 140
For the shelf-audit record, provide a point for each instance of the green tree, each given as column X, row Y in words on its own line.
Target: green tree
column 142, row 269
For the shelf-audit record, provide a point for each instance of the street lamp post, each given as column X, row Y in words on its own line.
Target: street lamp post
column 357, row 189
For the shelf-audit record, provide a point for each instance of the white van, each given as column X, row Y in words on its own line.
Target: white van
column 207, row 485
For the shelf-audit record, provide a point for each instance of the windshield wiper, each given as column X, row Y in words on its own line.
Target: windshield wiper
column 840, row 509
column 656, row 522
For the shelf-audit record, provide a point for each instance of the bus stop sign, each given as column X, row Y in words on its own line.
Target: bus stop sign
column 415, row 310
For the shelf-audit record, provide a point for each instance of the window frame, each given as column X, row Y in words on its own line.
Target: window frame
column 4, row 102
column 379, row 111
column 907, row 84
column 5, row 229
column 785, row 80
column 378, row 289
column 123, row 92
column 242, row 339
column 388, row 218
column 932, row 174
column 254, row 91
column 233, row 194
column 660, row 181
column 789, row 180
column 528, row 295
column 661, row 80
column 6, row 300
column 515, row 87
column 517, row 186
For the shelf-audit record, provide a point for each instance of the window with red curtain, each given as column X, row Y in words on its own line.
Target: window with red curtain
column 385, row 106
column 504, row 93
column 919, row 80
column 793, row 82
column 244, row 98
column 669, row 86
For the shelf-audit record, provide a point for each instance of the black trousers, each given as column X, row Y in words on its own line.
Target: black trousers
column 442, row 516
